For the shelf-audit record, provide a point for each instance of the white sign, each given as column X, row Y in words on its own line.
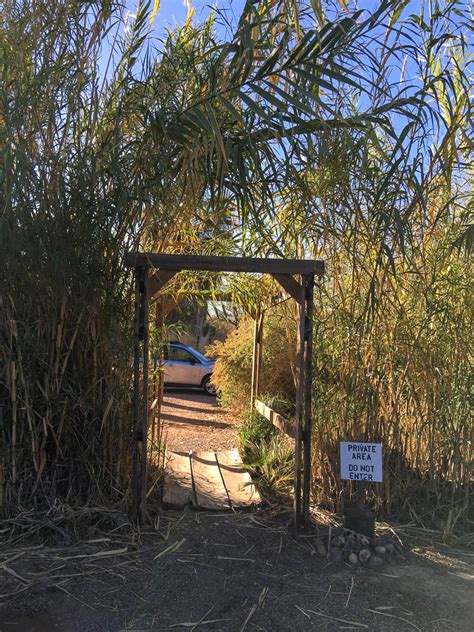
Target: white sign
column 361, row 461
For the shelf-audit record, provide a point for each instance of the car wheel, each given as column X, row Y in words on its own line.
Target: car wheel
column 207, row 385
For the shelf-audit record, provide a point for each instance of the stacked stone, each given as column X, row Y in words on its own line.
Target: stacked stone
column 357, row 549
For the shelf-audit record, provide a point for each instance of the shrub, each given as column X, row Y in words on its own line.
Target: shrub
column 233, row 371
column 269, row 455
column 255, row 428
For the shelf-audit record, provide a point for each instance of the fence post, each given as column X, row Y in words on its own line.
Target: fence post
column 308, row 388
column 300, row 390
column 145, row 411
column 136, row 400
column 254, row 360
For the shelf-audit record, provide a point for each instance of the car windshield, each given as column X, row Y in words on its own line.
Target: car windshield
column 199, row 356
column 171, row 352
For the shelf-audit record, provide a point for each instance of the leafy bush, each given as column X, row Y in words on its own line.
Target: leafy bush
column 281, row 404
column 255, row 428
column 233, row 371
column 269, row 455
column 273, row 463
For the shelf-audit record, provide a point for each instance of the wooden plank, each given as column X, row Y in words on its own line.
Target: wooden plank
column 308, row 391
column 158, row 279
column 254, row 361
column 299, row 408
column 172, row 302
column 237, row 480
column 289, row 284
column 224, row 264
column 144, row 427
column 209, row 489
column 136, row 446
column 258, row 368
column 277, row 420
column 178, row 484
column 257, row 356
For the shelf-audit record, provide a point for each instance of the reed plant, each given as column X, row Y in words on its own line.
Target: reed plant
column 115, row 140
column 111, row 141
column 392, row 218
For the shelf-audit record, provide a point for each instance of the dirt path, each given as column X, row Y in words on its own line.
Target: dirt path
column 193, row 421
column 240, row 573
column 227, row 572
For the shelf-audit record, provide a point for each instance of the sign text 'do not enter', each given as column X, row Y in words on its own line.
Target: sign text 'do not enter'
column 361, row 461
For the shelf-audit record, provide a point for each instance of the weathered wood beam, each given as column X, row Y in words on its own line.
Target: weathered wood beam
column 277, row 420
column 158, row 279
column 171, row 302
column 144, row 425
column 136, row 479
column 258, row 368
column 300, row 390
column 289, row 284
column 257, row 356
column 224, row 264
column 308, row 392
column 254, row 361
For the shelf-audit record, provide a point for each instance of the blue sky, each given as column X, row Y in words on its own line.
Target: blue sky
column 173, row 12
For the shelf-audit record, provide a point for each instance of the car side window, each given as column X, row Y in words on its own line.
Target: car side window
column 177, row 354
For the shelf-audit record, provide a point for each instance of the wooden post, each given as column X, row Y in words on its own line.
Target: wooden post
column 300, row 388
column 157, row 377
column 254, row 361
column 136, row 400
column 145, row 411
column 155, row 387
column 308, row 389
column 258, row 368
column 256, row 357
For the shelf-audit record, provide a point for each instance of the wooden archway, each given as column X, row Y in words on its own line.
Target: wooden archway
column 296, row 276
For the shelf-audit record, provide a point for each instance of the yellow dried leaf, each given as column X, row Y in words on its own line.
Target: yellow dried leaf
column 156, row 8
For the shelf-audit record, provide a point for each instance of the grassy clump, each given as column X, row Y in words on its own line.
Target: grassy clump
column 273, row 464
column 268, row 454
column 255, row 428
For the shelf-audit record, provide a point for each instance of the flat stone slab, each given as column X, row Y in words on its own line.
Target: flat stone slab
column 178, row 481
column 208, row 480
column 237, row 480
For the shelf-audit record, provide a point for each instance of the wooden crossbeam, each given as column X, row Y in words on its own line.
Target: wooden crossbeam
column 224, row 264
column 171, row 302
column 158, row 280
column 277, row 420
column 289, row 284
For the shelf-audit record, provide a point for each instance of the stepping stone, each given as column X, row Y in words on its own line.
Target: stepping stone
column 208, row 485
column 208, row 480
column 178, row 485
column 237, row 479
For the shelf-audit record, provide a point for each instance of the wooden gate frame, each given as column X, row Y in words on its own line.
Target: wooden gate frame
column 152, row 273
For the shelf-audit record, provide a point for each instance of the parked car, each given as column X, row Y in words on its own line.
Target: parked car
column 184, row 366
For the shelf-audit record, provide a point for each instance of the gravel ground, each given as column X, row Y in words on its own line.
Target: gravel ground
column 194, row 421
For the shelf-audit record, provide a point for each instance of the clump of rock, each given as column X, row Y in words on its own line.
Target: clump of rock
column 356, row 549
